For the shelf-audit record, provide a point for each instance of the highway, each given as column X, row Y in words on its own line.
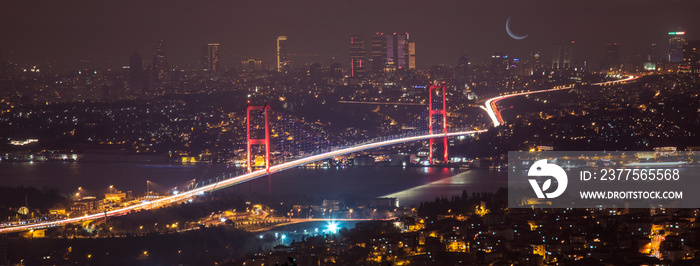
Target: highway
column 495, row 115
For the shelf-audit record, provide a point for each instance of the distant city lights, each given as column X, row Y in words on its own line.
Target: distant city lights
column 23, row 142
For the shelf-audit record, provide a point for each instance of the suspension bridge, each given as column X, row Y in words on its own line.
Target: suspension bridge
column 439, row 132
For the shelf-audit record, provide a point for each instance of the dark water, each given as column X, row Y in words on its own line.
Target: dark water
column 410, row 185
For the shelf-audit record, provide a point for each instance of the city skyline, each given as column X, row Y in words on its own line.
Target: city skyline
column 474, row 28
column 350, row 132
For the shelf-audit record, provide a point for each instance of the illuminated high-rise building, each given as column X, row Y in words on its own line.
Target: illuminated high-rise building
column 676, row 40
column 251, row 65
column 691, row 58
column 378, row 59
column 391, row 63
column 357, row 56
column 562, row 58
column 515, row 67
column 391, row 52
column 411, row 55
column 160, row 62
column 283, row 63
column 397, row 51
column 210, row 60
column 535, row 64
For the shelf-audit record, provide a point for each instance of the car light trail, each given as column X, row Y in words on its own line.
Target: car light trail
column 184, row 195
column 495, row 115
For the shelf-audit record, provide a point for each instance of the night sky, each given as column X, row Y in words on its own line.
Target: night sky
column 104, row 33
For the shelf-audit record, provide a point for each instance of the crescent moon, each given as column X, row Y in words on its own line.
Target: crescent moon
column 511, row 34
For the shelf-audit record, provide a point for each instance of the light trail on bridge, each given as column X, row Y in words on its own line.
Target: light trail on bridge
column 233, row 181
column 383, row 103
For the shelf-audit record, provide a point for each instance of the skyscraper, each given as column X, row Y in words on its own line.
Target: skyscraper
column 251, row 65
column 499, row 65
column 462, row 70
column 205, row 58
column 653, row 55
column 515, row 67
column 136, row 74
column 378, row 59
column 397, row 51
column 283, row 63
column 211, row 58
column 357, row 56
column 336, row 70
column 691, row 58
column 535, row 63
column 612, row 59
column 411, row 55
column 160, row 62
column 390, row 60
column 676, row 40
column 315, row 72
column 562, row 58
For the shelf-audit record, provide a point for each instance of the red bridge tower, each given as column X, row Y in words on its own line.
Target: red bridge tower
column 439, row 89
column 264, row 142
